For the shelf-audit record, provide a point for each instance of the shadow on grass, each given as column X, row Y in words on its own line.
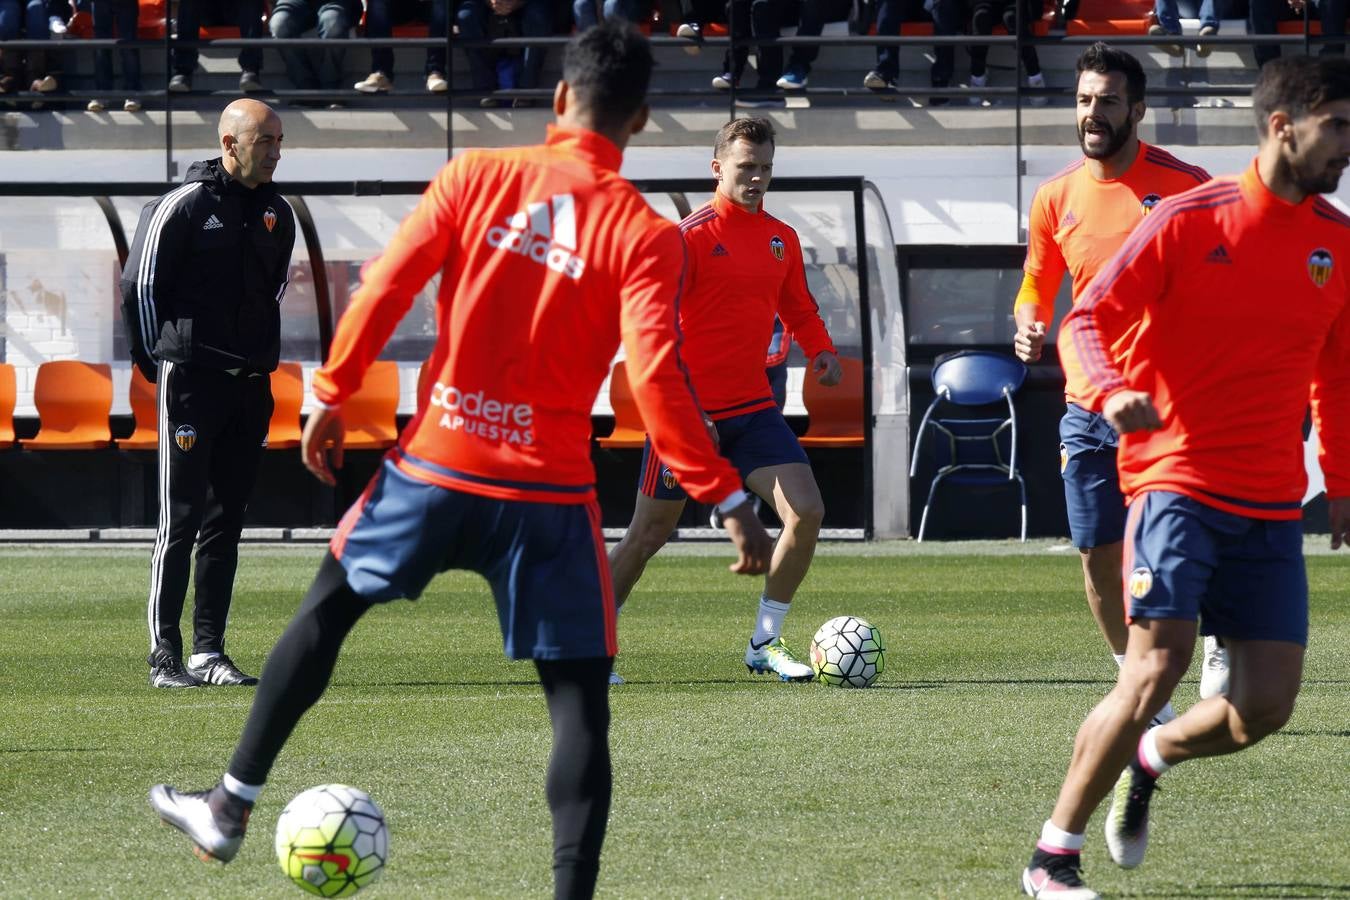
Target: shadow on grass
column 1286, row 889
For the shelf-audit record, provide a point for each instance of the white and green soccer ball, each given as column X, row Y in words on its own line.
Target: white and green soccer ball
column 848, row 652
column 332, row 840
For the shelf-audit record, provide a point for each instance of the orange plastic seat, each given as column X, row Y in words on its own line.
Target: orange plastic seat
column 144, row 410
column 288, row 392
column 369, row 414
column 628, row 428
column 73, row 401
column 152, row 21
column 836, row 413
column 8, row 391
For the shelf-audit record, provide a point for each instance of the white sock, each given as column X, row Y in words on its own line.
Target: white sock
column 197, row 660
column 769, row 621
column 1037, row 80
column 1119, row 658
column 979, row 81
column 1148, row 753
column 246, row 792
column 1053, row 839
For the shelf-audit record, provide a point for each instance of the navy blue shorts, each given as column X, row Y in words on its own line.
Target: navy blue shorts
column 752, row 441
column 1239, row 577
column 545, row 562
column 1087, row 460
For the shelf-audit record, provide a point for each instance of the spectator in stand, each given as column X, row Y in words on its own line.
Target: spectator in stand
column 759, row 19
column 693, row 16
column 587, row 13
column 811, row 18
column 380, row 17
column 123, row 18
column 946, row 17
column 1165, row 19
column 192, row 14
column 1263, row 17
column 24, row 20
column 984, row 15
column 316, row 69
column 504, row 70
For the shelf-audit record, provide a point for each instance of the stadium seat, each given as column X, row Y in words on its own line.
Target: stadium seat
column 144, row 411
column 8, row 392
column 73, row 401
column 628, row 430
column 836, row 413
column 369, row 414
column 288, row 393
column 972, row 451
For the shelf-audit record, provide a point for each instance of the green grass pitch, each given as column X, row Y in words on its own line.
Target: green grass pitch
column 932, row 784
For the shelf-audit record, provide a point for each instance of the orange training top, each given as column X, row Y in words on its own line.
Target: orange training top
column 1242, row 298
column 743, row 269
column 547, row 259
column 1077, row 223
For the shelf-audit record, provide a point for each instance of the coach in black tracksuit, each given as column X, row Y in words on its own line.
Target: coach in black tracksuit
column 201, row 293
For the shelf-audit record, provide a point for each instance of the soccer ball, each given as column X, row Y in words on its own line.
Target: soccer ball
column 332, row 840
column 848, row 652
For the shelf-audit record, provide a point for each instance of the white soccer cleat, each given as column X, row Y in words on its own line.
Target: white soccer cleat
column 1213, row 669
column 615, row 677
column 1056, row 878
column 213, row 837
column 1127, row 819
column 774, row 657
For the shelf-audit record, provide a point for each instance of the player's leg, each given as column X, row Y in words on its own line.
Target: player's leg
column 792, row 490
column 1265, row 683
column 389, row 545
column 555, row 604
column 186, row 412
column 1096, row 511
column 295, row 676
column 656, row 513
column 763, row 448
column 1172, row 554
column 1105, row 595
column 235, row 460
column 1258, row 599
column 579, row 781
column 795, row 496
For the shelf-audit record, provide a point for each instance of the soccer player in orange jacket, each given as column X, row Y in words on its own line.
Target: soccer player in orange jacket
column 538, row 248
column 744, row 267
column 1078, row 220
column 1211, row 454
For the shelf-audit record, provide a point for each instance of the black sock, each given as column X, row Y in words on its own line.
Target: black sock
column 297, row 670
column 579, row 780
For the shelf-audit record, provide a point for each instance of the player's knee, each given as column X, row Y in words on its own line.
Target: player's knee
column 1260, row 717
column 805, row 514
column 649, row 537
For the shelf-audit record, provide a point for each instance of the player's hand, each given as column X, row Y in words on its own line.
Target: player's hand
column 1028, row 342
column 826, row 366
column 321, row 444
column 752, row 541
column 1338, row 510
column 1130, row 411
